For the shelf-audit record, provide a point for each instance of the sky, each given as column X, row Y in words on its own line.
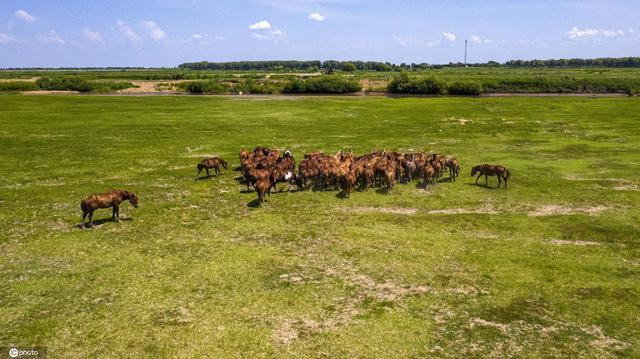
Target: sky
column 165, row 33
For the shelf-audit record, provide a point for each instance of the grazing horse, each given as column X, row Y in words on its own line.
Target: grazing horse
column 491, row 170
column 454, row 168
column 213, row 162
column 106, row 200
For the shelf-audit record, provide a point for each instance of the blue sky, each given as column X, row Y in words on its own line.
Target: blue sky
column 169, row 32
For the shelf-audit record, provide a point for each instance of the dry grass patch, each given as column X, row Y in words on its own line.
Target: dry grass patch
column 562, row 242
column 391, row 210
column 557, row 210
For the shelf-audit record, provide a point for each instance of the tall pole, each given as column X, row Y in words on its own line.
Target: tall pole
column 465, row 52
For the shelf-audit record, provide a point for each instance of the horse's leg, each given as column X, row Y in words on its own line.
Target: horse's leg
column 499, row 180
column 505, row 182
column 199, row 170
column 84, row 216
column 207, row 172
column 113, row 212
column 486, row 180
column 91, row 219
column 480, row 175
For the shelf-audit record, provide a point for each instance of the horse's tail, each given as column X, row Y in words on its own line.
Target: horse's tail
column 507, row 174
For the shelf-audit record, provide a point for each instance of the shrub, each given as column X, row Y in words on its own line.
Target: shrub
column 205, row 87
column 348, row 67
column 402, row 83
column 67, row 83
column 110, row 86
column 428, row 85
column 258, row 87
column 323, row 85
column 465, row 88
column 18, row 86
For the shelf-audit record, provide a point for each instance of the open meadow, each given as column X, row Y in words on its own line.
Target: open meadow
column 550, row 267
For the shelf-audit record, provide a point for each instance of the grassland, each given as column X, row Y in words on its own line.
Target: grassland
column 492, row 80
column 549, row 268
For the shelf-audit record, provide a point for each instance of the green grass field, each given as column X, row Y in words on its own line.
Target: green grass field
column 550, row 267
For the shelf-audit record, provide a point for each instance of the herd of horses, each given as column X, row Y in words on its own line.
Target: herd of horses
column 264, row 168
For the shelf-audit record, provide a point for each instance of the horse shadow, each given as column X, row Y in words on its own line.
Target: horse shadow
column 202, row 178
column 254, row 203
column 101, row 221
column 341, row 195
column 488, row 186
column 382, row 190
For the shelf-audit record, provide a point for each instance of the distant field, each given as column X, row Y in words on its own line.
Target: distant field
column 550, row 267
column 503, row 79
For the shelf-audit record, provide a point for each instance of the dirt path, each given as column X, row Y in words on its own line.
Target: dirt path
column 149, row 86
column 33, row 79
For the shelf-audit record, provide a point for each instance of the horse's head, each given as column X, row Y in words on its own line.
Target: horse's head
column 133, row 198
column 475, row 170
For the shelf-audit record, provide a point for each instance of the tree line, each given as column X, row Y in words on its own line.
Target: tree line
column 330, row 65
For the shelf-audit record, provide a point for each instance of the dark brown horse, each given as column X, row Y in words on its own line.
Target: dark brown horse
column 262, row 186
column 491, row 170
column 106, row 200
column 213, row 162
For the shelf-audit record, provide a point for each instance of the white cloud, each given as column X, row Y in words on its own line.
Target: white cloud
column 402, row 41
column 262, row 30
column 449, row 36
column 92, row 35
column 51, row 38
column 25, row 16
column 475, row 39
column 127, row 31
column 260, row 25
column 5, row 39
column 196, row 36
column 577, row 34
column 316, row 17
column 269, row 34
column 433, row 43
column 631, row 31
column 155, row 32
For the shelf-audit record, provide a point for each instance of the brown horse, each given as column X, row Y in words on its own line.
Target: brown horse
column 491, row 170
column 106, row 200
column 262, row 186
column 213, row 162
column 454, row 168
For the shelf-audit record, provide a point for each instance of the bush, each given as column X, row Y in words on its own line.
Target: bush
column 110, row 86
column 205, row 87
column 465, row 88
column 67, row 83
column 402, row 83
column 348, row 67
column 258, row 87
column 18, row 86
column 323, row 85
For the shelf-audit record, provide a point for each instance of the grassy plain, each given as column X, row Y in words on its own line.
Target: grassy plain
column 550, row 267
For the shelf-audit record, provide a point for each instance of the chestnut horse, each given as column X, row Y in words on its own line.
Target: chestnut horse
column 213, row 162
column 106, row 200
column 491, row 170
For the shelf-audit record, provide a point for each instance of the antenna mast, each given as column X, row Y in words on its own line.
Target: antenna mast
column 465, row 52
